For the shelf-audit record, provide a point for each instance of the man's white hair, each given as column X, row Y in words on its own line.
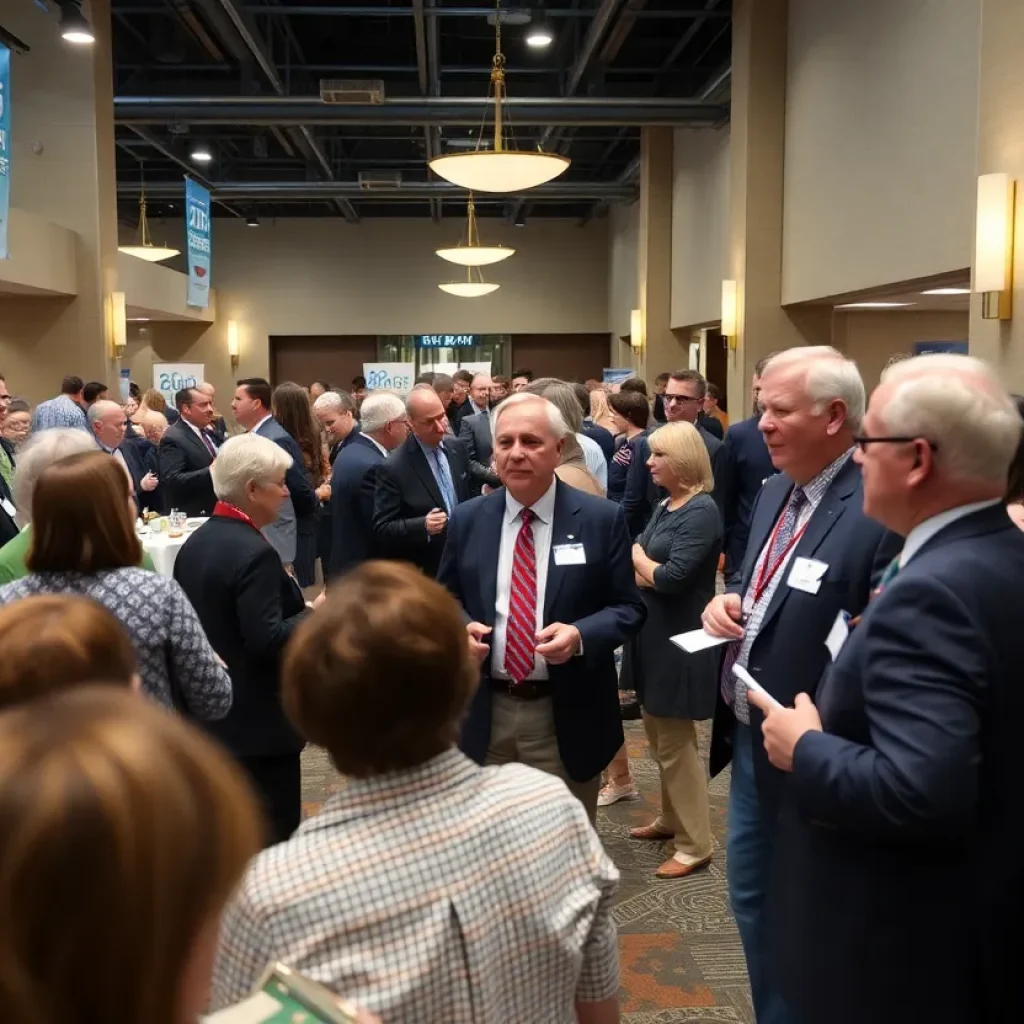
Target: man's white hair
column 40, row 452
column 98, row 409
column 959, row 404
column 556, row 421
column 378, row 410
column 332, row 400
column 248, row 457
column 830, row 376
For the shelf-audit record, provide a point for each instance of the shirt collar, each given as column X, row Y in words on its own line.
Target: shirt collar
column 269, row 416
column 923, row 532
column 543, row 507
column 427, row 450
column 192, row 425
column 816, row 489
column 376, row 444
column 477, row 408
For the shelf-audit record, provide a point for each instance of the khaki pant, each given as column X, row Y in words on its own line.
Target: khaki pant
column 684, row 786
column 524, row 731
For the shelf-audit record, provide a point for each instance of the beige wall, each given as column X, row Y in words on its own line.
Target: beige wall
column 700, row 226
column 872, row 338
column 881, row 117
column 623, row 238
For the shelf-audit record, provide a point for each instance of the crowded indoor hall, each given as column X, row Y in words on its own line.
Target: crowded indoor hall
column 510, row 513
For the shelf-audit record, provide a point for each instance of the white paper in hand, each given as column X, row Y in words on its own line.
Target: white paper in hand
column 752, row 684
column 698, row 640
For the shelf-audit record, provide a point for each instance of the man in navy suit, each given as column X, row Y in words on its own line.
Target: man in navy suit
column 812, row 553
column 544, row 573
column 108, row 424
column 744, row 464
column 898, row 879
column 186, row 452
column 354, row 476
column 475, row 434
column 251, row 407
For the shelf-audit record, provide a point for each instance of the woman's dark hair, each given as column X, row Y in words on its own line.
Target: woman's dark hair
column 292, row 410
column 631, row 405
column 635, row 384
column 80, row 517
column 1015, row 479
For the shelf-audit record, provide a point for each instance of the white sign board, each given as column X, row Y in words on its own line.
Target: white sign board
column 389, row 376
column 170, row 378
column 450, row 368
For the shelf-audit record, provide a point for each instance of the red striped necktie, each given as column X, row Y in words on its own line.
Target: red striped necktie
column 521, row 629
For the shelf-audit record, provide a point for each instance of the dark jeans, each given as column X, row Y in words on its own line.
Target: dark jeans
column 277, row 780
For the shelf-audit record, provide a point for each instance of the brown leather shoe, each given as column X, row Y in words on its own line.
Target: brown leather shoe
column 650, row 832
column 672, row 869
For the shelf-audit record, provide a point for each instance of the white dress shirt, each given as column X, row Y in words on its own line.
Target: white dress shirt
column 202, row 437
column 596, row 462
column 542, row 526
column 377, row 445
column 923, row 532
column 269, row 416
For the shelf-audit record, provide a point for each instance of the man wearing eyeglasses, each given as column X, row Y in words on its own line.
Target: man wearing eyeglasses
column 683, row 400
column 812, row 556
column 906, row 803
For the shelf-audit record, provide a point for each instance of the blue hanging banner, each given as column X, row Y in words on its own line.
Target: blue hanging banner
column 5, row 147
column 197, row 227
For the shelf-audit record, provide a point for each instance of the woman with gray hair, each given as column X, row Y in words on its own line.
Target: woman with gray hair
column 248, row 606
column 577, row 468
column 40, row 452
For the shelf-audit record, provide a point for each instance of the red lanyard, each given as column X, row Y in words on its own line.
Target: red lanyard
column 226, row 511
column 768, row 569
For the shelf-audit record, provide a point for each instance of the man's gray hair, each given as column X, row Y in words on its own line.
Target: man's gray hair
column 556, row 421
column 958, row 404
column 40, row 452
column 830, row 376
column 97, row 409
column 246, row 458
column 338, row 401
column 378, row 410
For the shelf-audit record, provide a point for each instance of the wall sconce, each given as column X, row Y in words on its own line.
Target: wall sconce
column 636, row 328
column 233, row 342
column 993, row 245
column 117, row 313
column 728, row 327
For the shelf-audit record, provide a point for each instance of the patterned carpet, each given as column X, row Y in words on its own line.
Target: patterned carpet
column 681, row 956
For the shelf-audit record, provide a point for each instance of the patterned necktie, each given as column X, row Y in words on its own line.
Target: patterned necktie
column 209, row 444
column 892, row 570
column 444, row 475
column 521, row 628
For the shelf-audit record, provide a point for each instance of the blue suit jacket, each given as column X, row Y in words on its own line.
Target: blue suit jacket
column 600, row 598
column 744, row 464
column 789, row 653
column 353, row 480
column 301, row 503
column 901, row 840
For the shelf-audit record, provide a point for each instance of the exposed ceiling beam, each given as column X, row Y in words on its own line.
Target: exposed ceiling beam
column 448, row 110
column 365, row 11
column 620, row 33
column 687, row 37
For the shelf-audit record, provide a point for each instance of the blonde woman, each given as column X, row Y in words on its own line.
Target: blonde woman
column 675, row 561
column 600, row 411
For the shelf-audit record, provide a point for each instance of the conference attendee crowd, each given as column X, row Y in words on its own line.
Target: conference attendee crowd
column 459, row 593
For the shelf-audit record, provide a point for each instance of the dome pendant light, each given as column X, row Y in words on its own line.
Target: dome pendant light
column 499, row 169
column 145, row 249
column 473, row 254
column 472, row 288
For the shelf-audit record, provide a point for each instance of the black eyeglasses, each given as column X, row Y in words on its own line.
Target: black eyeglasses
column 863, row 442
column 668, row 399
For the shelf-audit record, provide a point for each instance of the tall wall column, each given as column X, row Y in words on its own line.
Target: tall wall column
column 1001, row 149
column 62, row 142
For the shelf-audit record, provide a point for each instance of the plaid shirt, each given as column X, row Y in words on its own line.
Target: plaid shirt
column 447, row 893
column 755, row 612
column 59, row 412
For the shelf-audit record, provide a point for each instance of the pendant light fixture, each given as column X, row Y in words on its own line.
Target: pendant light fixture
column 500, row 169
column 472, row 288
column 144, row 249
column 472, row 253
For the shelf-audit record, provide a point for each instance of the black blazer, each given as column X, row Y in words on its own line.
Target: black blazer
column 712, row 424
column 8, row 527
column 599, row 597
column 248, row 606
column 600, row 435
column 406, row 492
column 353, row 482
column 789, row 653
column 475, row 434
column 898, row 890
column 185, row 470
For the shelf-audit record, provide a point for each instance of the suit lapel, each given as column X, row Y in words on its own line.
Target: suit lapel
column 424, row 472
column 565, row 524
column 193, row 438
column 491, row 514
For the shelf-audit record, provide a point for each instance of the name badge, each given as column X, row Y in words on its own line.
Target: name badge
column 570, row 554
column 8, row 507
column 807, row 574
column 838, row 634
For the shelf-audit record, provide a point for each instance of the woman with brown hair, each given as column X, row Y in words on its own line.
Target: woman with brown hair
column 292, row 410
column 55, row 642
column 84, row 543
column 125, row 831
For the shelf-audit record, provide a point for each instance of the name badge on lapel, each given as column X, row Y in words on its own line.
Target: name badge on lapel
column 569, row 554
column 838, row 634
column 8, row 507
column 807, row 574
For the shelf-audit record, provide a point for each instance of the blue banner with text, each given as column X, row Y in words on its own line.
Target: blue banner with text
column 5, row 147
column 197, row 227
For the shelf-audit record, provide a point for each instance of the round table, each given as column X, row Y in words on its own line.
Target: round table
column 163, row 548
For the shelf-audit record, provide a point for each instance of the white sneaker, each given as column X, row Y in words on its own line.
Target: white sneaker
column 611, row 794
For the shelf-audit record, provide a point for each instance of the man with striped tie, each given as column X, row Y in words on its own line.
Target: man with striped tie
column 545, row 576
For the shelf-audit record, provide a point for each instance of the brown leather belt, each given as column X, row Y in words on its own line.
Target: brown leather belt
column 526, row 690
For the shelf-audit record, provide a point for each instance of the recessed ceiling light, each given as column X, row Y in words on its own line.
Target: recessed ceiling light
column 202, row 155
column 947, row 291
column 539, row 34
column 874, row 305
column 252, row 221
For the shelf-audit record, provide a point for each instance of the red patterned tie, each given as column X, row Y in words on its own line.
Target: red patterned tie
column 521, row 629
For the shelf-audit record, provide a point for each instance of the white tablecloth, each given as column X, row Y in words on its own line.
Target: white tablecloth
column 163, row 549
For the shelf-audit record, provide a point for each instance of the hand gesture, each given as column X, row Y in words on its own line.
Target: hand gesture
column 149, row 482
column 436, row 521
column 722, row 617
column 476, row 632
column 783, row 727
column 557, row 643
